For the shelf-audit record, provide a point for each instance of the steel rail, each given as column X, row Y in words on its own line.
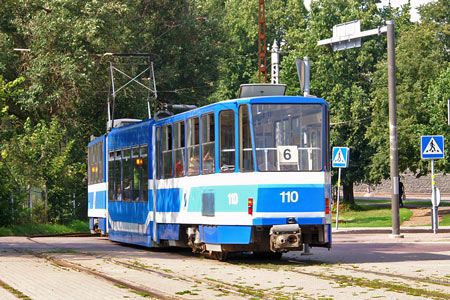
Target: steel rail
column 395, row 287
column 64, row 263
column 418, row 279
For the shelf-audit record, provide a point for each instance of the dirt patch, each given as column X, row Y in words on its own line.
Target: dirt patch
column 422, row 216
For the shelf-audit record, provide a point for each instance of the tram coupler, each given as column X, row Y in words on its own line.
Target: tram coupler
column 285, row 237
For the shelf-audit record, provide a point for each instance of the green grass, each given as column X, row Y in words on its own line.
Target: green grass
column 419, row 203
column 445, row 221
column 12, row 290
column 370, row 216
column 36, row 229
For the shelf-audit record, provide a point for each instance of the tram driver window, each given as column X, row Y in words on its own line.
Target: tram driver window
column 227, row 141
column 296, row 126
column 208, row 144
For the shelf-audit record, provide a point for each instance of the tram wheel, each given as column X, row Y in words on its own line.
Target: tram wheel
column 268, row 255
column 221, row 256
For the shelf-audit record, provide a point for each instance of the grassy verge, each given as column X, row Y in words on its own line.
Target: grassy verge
column 370, row 216
column 35, row 229
column 418, row 203
column 445, row 221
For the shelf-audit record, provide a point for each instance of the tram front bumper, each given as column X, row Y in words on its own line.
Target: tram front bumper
column 285, row 237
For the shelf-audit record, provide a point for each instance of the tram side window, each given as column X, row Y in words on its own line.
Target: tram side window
column 208, row 144
column 166, row 151
column 245, row 141
column 193, row 141
column 227, row 141
column 140, row 175
column 100, row 161
column 137, row 169
column 144, row 174
column 178, row 145
column 91, row 166
column 158, row 153
column 111, row 176
column 118, row 192
column 95, row 163
column 126, row 169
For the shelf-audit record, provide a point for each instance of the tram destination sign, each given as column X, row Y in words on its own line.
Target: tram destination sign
column 432, row 146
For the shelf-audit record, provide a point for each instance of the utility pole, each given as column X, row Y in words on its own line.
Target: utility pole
column 275, row 61
column 348, row 35
column 393, row 129
column 262, row 57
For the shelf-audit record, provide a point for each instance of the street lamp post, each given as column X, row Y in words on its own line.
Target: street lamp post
column 348, row 35
column 393, row 128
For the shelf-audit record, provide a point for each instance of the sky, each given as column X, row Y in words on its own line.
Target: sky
column 397, row 3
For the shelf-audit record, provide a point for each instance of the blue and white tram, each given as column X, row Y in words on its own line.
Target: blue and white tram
column 250, row 174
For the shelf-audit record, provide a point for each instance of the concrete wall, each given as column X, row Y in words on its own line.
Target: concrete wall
column 412, row 184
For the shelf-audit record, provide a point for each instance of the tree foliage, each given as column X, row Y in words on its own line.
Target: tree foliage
column 421, row 57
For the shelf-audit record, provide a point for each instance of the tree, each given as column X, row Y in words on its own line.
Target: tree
column 239, row 29
column 65, row 75
column 435, row 106
column 39, row 157
column 11, row 198
column 420, row 57
column 343, row 78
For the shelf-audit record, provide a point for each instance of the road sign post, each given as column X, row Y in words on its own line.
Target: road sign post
column 432, row 147
column 341, row 157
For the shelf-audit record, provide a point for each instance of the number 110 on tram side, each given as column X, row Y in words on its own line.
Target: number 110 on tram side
column 248, row 174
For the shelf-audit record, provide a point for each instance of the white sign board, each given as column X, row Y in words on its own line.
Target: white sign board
column 287, row 154
column 346, row 32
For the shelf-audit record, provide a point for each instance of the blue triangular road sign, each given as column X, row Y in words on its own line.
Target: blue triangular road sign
column 432, row 147
column 340, row 157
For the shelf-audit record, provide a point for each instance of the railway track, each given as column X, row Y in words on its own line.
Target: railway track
column 385, row 281
column 377, row 284
column 74, row 234
column 391, row 275
column 223, row 287
column 140, row 289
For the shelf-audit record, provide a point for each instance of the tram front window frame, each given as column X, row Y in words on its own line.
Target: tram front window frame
column 280, row 129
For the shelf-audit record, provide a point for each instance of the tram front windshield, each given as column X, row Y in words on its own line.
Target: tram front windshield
column 288, row 137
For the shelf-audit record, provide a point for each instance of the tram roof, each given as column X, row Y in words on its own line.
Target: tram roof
column 228, row 104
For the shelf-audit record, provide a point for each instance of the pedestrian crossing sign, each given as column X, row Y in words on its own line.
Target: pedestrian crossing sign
column 432, row 146
column 340, row 157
